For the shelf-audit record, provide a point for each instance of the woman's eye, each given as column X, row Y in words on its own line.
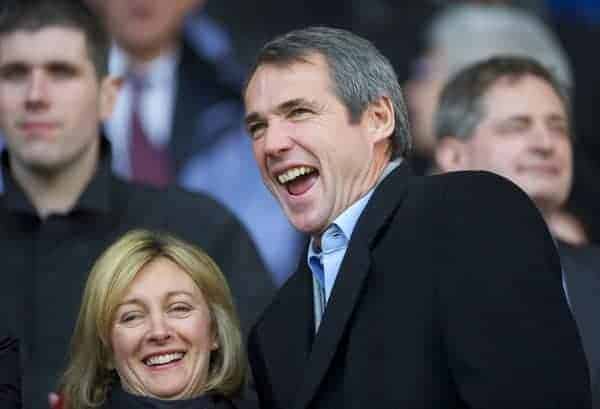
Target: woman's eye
column 130, row 317
column 180, row 309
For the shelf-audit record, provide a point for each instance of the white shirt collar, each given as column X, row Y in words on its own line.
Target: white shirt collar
column 161, row 70
column 347, row 220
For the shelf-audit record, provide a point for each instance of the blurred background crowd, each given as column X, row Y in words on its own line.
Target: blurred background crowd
column 184, row 64
column 427, row 41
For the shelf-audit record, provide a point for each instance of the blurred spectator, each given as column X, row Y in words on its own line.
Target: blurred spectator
column 383, row 22
column 62, row 205
column 505, row 29
column 252, row 23
column 511, row 116
column 577, row 24
column 464, row 34
column 179, row 116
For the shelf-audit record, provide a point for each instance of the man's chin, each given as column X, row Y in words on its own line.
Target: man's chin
column 307, row 226
column 547, row 200
column 42, row 164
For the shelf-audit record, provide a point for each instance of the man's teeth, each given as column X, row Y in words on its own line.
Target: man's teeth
column 293, row 173
column 164, row 359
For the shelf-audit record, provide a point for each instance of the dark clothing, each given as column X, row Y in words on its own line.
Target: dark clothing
column 449, row 296
column 119, row 399
column 10, row 393
column 46, row 262
column 581, row 267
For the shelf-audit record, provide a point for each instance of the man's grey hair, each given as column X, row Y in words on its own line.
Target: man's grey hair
column 360, row 74
column 466, row 34
column 462, row 104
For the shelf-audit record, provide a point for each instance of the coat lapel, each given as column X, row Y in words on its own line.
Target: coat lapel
column 351, row 277
column 186, row 109
column 198, row 89
column 287, row 344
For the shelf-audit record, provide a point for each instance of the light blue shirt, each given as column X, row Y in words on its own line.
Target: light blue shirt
column 335, row 239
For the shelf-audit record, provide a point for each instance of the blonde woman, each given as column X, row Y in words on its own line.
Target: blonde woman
column 157, row 328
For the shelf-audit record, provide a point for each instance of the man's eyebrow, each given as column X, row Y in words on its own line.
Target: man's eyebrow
column 292, row 103
column 514, row 118
column 280, row 109
column 12, row 64
column 557, row 118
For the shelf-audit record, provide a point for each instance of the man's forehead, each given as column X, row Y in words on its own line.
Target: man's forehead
column 513, row 94
column 290, row 80
column 52, row 42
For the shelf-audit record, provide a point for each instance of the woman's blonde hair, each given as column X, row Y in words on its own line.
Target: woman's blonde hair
column 90, row 371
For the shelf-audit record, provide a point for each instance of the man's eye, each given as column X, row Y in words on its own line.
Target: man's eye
column 297, row 112
column 514, row 127
column 13, row 73
column 255, row 130
column 62, row 71
column 559, row 128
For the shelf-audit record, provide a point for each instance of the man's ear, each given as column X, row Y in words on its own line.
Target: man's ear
column 380, row 119
column 109, row 91
column 451, row 154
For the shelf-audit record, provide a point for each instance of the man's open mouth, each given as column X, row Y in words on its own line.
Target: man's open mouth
column 298, row 180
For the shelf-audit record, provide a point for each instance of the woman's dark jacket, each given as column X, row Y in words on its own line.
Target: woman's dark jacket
column 119, row 399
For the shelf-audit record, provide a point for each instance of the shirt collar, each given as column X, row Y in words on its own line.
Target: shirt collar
column 95, row 198
column 345, row 223
column 162, row 70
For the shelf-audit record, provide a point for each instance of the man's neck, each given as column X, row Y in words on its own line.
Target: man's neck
column 375, row 174
column 57, row 192
column 139, row 60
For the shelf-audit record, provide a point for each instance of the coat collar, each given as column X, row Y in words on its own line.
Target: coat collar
column 349, row 283
column 298, row 359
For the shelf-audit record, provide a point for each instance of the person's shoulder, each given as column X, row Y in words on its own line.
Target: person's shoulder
column 463, row 188
column 171, row 199
column 480, row 179
column 482, row 188
column 473, row 201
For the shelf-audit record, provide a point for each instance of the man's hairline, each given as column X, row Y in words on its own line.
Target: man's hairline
column 63, row 26
column 510, row 80
column 302, row 58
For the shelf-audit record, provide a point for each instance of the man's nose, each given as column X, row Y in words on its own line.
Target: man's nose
column 278, row 138
column 37, row 88
column 542, row 140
